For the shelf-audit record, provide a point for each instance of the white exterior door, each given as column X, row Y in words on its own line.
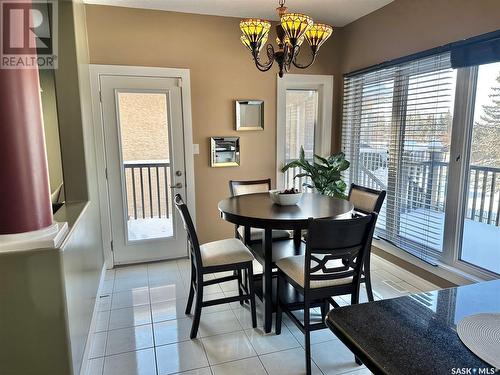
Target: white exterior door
column 145, row 166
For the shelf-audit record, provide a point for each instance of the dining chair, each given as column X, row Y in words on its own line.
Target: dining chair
column 366, row 200
column 252, row 187
column 213, row 257
column 331, row 266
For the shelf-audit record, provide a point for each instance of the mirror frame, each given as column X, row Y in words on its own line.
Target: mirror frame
column 238, row 104
column 213, row 161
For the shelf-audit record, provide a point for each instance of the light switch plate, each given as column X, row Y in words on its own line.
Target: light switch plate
column 196, row 149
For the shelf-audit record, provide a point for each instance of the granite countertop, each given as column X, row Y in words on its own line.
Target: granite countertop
column 416, row 334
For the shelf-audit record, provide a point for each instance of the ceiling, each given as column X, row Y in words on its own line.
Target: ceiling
column 335, row 12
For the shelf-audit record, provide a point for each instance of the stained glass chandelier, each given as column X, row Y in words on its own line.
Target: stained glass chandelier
column 291, row 32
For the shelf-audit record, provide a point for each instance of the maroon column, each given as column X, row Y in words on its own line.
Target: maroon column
column 24, row 184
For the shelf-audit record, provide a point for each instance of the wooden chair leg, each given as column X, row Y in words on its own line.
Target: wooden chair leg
column 240, row 285
column 325, row 307
column 191, row 290
column 190, row 299
column 355, row 296
column 369, row 291
column 368, row 284
column 197, row 308
column 354, row 301
column 368, row 280
column 279, row 311
column 307, row 334
column 251, row 289
column 246, row 279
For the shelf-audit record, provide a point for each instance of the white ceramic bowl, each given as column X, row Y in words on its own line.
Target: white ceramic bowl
column 284, row 199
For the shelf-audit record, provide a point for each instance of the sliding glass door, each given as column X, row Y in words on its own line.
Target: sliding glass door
column 397, row 131
column 438, row 161
column 480, row 243
column 421, row 148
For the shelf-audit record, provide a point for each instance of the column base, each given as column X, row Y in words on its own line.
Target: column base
column 46, row 238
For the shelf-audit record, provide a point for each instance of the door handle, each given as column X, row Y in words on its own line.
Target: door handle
column 176, row 186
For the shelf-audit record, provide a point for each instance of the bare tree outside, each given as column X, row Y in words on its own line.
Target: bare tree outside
column 486, row 135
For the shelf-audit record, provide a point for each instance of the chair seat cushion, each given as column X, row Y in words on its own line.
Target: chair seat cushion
column 257, row 233
column 229, row 251
column 294, row 268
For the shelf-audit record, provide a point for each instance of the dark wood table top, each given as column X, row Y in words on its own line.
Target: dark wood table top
column 416, row 334
column 258, row 210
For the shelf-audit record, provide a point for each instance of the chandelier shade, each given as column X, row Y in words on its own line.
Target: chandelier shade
column 318, row 34
column 255, row 30
column 287, row 40
column 295, row 25
column 244, row 40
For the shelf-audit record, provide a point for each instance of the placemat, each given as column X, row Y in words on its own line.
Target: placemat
column 481, row 334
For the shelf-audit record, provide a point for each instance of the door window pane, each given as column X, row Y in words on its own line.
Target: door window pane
column 144, row 139
column 481, row 230
column 301, row 119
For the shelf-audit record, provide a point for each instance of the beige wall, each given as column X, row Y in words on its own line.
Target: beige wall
column 404, row 27
column 33, row 334
column 81, row 253
column 221, row 71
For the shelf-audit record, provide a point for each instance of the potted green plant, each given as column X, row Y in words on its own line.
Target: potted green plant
column 325, row 173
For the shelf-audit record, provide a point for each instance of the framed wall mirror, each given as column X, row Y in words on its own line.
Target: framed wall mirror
column 52, row 140
column 225, row 152
column 249, row 115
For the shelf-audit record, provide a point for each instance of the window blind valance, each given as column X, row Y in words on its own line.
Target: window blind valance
column 476, row 53
column 481, row 49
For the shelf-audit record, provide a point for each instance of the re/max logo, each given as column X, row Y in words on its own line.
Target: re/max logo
column 473, row 371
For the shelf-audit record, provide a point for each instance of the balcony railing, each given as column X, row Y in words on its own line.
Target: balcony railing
column 424, row 185
column 484, row 195
column 147, row 188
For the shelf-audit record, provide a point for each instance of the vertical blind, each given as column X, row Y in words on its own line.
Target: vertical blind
column 396, row 132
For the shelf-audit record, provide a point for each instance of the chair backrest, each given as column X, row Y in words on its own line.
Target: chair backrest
column 336, row 249
column 194, row 245
column 366, row 200
column 249, row 187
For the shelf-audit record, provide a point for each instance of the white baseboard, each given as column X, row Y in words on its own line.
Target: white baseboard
column 86, row 352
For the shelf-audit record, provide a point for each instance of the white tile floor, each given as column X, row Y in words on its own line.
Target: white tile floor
column 141, row 328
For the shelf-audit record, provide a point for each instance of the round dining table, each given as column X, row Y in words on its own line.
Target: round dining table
column 258, row 211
